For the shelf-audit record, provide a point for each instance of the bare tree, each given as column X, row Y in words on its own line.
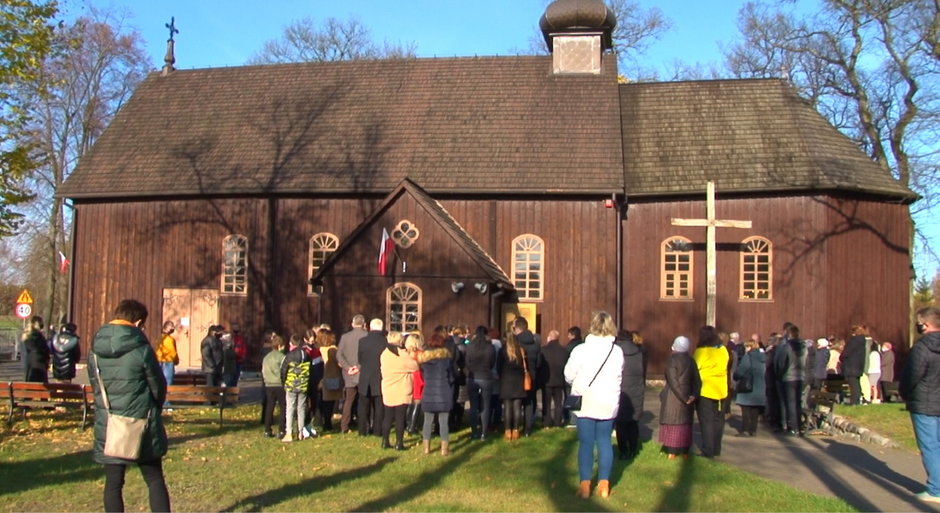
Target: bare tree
column 869, row 66
column 335, row 40
column 86, row 87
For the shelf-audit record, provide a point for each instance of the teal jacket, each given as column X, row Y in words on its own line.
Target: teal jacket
column 134, row 383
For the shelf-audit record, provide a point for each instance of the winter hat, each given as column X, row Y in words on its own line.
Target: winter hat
column 681, row 344
column 822, row 343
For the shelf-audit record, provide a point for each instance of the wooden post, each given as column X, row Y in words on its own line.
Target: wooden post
column 711, row 264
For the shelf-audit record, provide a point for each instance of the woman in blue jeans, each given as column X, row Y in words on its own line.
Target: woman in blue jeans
column 594, row 371
column 481, row 359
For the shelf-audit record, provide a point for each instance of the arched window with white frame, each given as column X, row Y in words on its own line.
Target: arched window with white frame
column 322, row 245
column 676, row 277
column 756, row 269
column 403, row 307
column 528, row 267
column 235, row 265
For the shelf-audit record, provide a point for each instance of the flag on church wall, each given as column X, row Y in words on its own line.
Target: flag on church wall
column 63, row 263
column 385, row 249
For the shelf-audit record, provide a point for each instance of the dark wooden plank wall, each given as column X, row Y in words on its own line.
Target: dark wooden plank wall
column 138, row 249
column 819, row 294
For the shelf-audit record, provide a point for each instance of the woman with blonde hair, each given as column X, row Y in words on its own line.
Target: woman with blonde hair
column 414, row 344
column 331, row 387
column 594, row 372
column 511, row 371
column 397, row 387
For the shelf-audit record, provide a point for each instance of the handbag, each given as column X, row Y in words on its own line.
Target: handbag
column 526, row 375
column 573, row 401
column 332, row 383
column 745, row 384
column 124, row 435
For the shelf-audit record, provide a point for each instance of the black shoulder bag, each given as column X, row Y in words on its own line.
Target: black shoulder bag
column 573, row 401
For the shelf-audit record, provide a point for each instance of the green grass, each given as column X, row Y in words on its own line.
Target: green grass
column 886, row 419
column 46, row 465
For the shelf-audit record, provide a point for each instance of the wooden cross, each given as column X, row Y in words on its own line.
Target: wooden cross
column 711, row 266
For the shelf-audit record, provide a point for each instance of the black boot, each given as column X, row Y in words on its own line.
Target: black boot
column 413, row 414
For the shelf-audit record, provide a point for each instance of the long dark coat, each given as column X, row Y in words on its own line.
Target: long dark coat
column 632, row 382
column 682, row 381
column 753, row 363
column 555, row 357
column 437, row 369
column 853, row 356
column 370, row 365
column 135, row 386
column 511, row 376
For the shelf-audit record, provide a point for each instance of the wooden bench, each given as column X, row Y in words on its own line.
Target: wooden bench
column 839, row 387
column 189, row 378
column 200, row 396
column 889, row 392
column 49, row 396
column 819, row 409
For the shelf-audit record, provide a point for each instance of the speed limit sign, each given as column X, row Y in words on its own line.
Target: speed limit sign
column 24, row 310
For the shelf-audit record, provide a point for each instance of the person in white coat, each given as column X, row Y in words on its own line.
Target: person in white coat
column 594, row 373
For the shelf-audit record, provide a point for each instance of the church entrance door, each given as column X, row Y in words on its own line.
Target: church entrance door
column 192, row 311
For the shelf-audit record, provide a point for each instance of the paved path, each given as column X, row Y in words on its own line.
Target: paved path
column 869, row 477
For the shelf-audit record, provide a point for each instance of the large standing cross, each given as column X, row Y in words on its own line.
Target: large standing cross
column 710, row 223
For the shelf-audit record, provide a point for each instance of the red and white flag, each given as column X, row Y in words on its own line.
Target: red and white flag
column 63, row 263
column 385, row 249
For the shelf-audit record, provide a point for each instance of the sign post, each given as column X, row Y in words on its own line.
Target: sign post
column 24, row 305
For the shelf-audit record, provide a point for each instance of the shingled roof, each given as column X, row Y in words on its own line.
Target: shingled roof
column 485, row 125
column 747, row 135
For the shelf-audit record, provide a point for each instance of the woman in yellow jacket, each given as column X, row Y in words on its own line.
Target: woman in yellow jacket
column 166, row 352
column 712, row 360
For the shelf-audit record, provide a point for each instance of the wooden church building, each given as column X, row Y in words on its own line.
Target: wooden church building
column 489, row 187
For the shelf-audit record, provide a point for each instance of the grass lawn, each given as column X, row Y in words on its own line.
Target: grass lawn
column 887, row 419
column 46, row 465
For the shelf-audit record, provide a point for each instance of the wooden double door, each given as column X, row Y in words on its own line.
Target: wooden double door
column 192, row 311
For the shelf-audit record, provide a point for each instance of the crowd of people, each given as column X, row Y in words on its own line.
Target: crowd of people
column 409, row 382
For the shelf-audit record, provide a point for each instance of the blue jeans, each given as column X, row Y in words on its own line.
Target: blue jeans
column 927, row 432
column 593, row 433
column 168, row 370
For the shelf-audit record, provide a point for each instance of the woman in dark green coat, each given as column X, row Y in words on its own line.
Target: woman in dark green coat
column 135, row 387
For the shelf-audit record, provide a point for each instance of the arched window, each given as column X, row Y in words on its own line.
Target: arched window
column 676, row 280
column 756, row 269
column 322, row 245
column 528, row 267
column 403, row 307
column 235, row 265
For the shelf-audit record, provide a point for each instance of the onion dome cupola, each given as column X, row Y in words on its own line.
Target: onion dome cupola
column 577, row 32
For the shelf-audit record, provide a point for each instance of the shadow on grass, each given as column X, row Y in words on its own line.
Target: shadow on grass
column 427, row 480
column 678, row 496
column 67, row 468
column 271, row 498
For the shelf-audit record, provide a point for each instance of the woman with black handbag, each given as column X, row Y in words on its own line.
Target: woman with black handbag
column 129, row 382
column 751, row 396
column 594, row 371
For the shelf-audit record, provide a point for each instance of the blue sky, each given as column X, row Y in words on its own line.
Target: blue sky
column 218, row 33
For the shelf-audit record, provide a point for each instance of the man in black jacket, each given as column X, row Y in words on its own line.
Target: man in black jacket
column 920, row 388
column 37, row 352
column 370, row 379
column 211, row 349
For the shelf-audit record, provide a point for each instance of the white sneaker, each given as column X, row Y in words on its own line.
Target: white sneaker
column 287, row 438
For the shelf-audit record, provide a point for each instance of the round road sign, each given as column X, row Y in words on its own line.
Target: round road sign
column 24, row 310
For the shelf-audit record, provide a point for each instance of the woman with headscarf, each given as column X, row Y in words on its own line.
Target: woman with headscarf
column 678, row 400
column 594, row 371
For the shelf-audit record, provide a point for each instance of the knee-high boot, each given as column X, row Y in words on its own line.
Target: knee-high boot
column 414, row 415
